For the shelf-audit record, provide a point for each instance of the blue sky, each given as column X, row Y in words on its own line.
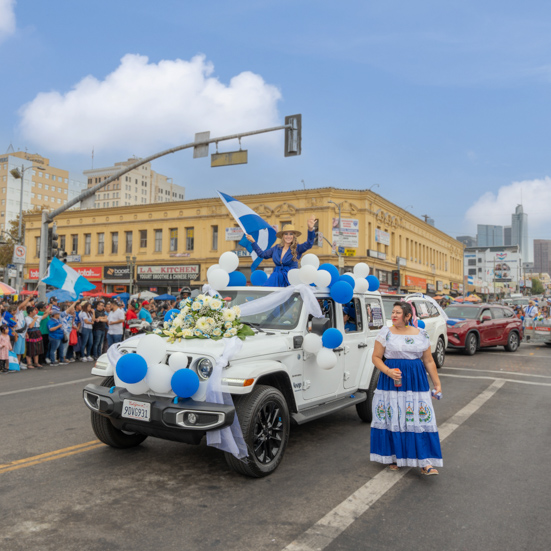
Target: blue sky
column 444, row 105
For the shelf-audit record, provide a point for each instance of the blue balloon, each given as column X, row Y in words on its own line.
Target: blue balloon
column 131, row 368
column 420, row 324
column 331, row 338
column 373, row 282
column 171, row 314
column 259, row 277
column 237, row 279
column 333, row 270
column 341, row 292
column 349, row 279
column 185, row 383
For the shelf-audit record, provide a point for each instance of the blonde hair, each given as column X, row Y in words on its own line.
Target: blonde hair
column 293, row 246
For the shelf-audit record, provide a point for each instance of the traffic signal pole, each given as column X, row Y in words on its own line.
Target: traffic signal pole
column 293, row 132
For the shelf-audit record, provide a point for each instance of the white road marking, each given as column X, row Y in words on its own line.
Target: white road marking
column 499, row 372
column 48, row 386
column 327, row 529
column 494, row 379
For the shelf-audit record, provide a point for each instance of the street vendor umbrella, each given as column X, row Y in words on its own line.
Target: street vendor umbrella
column 147, row 295
column 165, row 297
column 458, row 299
column 473, row 298
column 5, row 289
column 439, row 297
column 26, row 292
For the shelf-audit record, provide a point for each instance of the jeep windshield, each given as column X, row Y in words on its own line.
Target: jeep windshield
column 285, row 316
column 462, row 312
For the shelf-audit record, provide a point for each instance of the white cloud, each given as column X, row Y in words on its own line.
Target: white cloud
column 7, row 18
column 496, row 209
column 141, row 107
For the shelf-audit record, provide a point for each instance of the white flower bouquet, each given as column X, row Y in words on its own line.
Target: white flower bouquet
column 205, row 317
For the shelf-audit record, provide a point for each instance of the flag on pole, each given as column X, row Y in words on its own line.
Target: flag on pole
column 251, row 223
column 64, row 277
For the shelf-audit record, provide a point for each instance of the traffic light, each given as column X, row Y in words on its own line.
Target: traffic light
column 53, row 242
column 396, row 278
column 293, row 135
column 62, row 255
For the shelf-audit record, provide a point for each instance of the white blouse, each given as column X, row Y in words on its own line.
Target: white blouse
column 403, row 347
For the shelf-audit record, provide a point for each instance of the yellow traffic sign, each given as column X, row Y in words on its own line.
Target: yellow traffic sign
column 231, row 158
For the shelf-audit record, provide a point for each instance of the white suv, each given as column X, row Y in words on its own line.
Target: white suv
column 273, row 381
column 435, row 323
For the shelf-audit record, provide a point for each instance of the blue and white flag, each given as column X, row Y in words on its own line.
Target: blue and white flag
column 64, row 277
column 252, row 224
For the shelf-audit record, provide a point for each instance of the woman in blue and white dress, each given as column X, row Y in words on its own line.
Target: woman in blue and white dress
column 403, row 430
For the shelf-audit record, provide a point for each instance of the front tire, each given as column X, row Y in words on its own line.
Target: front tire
column 107, row 433
column 471, row 343
column 365, row 408
column 513, row 342
column 439, row 355
column 264, row 418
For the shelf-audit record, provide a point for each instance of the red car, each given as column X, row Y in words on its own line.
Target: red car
column 475, row 326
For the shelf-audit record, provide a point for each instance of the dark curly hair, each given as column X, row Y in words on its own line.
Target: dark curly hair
column 407, row 310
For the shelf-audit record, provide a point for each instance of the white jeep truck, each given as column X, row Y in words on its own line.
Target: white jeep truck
column 273, row 380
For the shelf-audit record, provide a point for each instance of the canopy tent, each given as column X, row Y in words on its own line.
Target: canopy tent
column 97, row 294
column 165, row 297
column 123, row 296
column 6, row 289
column 26, row 292
column 147, row 295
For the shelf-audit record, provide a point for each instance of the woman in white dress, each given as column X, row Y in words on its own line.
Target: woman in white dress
column 403, row 430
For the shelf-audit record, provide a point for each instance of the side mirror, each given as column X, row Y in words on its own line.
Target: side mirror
column 486, row 318
column 319, row 325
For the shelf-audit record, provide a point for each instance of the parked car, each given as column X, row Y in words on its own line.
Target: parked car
column 475, row 326
column 435, row 324
column 273, row 381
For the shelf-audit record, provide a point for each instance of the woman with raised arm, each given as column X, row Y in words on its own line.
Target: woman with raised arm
column 286, row 253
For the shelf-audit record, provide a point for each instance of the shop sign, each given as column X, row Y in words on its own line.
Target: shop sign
column 412, row 281
column 349, row 252
column 439, row 285
column 89, row 272
column 446, row 286
column 234, row 234
column 454, row 286
column 372, row 253
column 119, row 288
column 382, row 237
column 153, row 289
column 242, row 253
column 161, row 274
column 382, row 256
column 116, row 272
column 401, row 261
column 180, row 255
column 349, row 231
column 431, row 288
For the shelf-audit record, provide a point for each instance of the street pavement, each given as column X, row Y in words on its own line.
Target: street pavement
column 62, row 489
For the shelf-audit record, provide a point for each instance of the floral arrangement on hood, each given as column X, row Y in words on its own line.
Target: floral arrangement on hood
column 205, row 317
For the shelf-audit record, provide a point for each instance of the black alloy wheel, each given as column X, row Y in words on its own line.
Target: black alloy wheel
column 471, row 343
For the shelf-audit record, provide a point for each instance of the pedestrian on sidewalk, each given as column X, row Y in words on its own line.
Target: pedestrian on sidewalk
column 5, row 347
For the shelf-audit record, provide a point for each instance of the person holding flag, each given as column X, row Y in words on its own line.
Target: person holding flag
column 285, row 254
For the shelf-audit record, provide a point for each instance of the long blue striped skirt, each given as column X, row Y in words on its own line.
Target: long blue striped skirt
column 403, row 430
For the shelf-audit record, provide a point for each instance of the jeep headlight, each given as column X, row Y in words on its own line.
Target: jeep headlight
column 204, row 368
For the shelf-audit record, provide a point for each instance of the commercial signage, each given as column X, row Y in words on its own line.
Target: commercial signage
column 431, row 288
column 243, row 253
column 349, row 252
column 412, row 281
column 454, row 286
column 234, row 234
column 401, row 261
column 372, row 253
column 162, row 274
column 349, row 231
column 116, row 272
column 382, row 256
column 439, row 285
column 89, row 272
column 382, row 237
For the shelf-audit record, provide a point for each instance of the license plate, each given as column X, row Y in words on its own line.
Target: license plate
column 136, row 410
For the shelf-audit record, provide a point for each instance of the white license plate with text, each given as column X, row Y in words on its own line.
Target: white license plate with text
column 131, row 409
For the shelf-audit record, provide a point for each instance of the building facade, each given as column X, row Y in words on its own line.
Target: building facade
column 519, row 231
column 140, row 186
column 43, row 185
column 489, row 236
column 467, row 240
column 542, row 256
column 166, row 246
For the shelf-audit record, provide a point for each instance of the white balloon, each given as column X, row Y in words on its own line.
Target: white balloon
column 323, row 278
column 229, row 261
column 361, row 270
column 310, row 260
column 201, row 393
column 361, row 285
column 307, row 274
column 312, row 343
column 137, row 388
column 158, row 378
column 294, row 276
column 178, row 360
column 326, row 358
column 152, row 348
column 213, row 267
column 219, row 279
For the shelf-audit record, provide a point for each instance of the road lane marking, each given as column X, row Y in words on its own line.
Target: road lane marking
column 327, row 529
column 50, row 456
column 495, row 379
column 500, row 372
column 48, row 386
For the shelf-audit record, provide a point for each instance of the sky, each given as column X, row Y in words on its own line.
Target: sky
column 440, row 107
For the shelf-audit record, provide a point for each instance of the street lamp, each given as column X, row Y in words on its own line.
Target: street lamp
column 131, row 263
column 341, row 262
column 374, row 185
column 20, row 175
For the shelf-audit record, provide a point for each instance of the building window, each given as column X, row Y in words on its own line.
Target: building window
column 173, row 239
column 87, row 243
column 61, row 242
column 128, row 241
column 114, row 242
column 101, row 243
column 472, row 271
column 471, row 262
column 37, row 248
column 214, row 238
column 189, row 239
column 143, row 239
column 158, row 241
column 46, row 186
column 74, row 240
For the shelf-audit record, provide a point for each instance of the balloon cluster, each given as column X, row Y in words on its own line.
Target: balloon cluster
column 224, row 273
column 323, row 347
column 145, row 371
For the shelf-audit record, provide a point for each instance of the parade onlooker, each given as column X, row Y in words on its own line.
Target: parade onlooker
column 87, row 338
column 44, row 331
column 99, row 328
column 131, row 315
column 67, row 317
column 532, row 311
column 5, row 347
column 20, row 327
column 56, row 333
column 144, row 314
column 115, row 322
column 35, row 345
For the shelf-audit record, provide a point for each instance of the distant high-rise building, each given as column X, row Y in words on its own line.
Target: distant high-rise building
column 507, row 231
column 489, row 236
column 467, row 240
column 542, row 256
column 519, row 231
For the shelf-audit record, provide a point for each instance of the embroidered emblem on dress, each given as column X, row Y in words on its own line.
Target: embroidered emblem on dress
column 409, row 340
column 410, row 416
column 425, row 413
column 380, row 412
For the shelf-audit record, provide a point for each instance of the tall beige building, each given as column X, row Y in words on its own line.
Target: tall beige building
column 140, row 186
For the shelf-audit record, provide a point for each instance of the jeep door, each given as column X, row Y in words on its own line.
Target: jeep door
column 355, row 343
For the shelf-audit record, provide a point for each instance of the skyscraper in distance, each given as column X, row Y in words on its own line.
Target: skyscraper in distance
column 519, row 231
